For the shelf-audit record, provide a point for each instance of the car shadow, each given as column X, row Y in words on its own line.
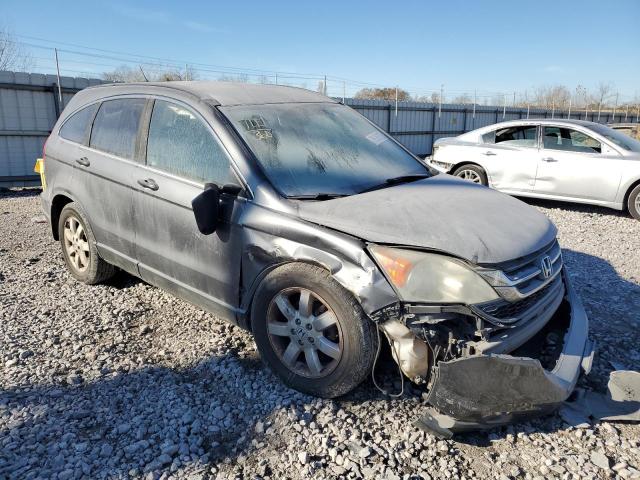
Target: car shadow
column 155, row 419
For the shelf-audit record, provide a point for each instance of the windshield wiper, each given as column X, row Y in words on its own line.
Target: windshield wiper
column 318, row 196
column 396, row 181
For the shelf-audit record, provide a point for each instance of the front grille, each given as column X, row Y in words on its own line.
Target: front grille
column 505, row 310
column 505, row 313
column 520, row 279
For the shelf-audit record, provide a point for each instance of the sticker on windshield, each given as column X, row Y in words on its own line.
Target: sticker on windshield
column 258, row 126
column 376, row 137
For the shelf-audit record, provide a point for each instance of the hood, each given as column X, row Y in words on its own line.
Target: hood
column 441, row 213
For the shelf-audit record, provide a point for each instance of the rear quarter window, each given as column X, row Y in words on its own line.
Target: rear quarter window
column 76, row 127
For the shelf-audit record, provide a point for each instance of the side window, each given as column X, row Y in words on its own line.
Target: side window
column 115, row 128
column 525, row 136
column 567, row 139
column 180, row 143
column 75, row 127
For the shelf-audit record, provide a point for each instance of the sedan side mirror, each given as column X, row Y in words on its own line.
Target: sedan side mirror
column 206, row 208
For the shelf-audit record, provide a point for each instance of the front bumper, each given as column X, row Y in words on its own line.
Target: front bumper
column 483, row 391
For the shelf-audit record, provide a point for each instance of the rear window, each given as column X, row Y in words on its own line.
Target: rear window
column 523, row 136
column 115, row 128
column 76, row 126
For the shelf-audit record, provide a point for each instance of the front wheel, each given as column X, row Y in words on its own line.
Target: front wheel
column 311, row 332
column 472, row 173
column 633, row 202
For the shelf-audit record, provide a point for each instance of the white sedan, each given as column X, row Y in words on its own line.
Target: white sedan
column 570, row 160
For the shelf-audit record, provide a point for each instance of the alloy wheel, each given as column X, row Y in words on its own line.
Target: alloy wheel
column 304, row 332
column 76, row 244
column 470, row 175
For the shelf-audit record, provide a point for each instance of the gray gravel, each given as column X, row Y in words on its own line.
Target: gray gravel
column 123, row 380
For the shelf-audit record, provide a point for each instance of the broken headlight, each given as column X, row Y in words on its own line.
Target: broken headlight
column 429, row 277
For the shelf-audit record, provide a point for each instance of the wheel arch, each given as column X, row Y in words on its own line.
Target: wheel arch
column 625, row 199
column 57, row 204
column 468, row 162
column 248, row 296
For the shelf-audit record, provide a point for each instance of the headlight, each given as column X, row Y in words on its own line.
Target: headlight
column 433, row 278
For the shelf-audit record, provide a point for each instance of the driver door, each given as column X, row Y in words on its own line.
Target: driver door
column 182, row 155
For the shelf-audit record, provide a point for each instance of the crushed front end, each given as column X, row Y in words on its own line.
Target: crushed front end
column 490, row 363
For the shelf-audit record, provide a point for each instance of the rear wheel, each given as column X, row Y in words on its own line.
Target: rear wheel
column 79, row 247
column 633, row 202
column 311, row 332
column 472, row 173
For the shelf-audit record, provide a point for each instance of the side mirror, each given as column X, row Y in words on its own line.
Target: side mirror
column 206, row 208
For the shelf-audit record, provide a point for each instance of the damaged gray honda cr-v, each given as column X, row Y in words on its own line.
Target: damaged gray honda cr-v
column 294, row 217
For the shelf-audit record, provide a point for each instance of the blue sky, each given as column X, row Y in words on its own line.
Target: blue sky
column 465, row 45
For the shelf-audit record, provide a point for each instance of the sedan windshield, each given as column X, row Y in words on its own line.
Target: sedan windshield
column 321, row 150
column 619, row 138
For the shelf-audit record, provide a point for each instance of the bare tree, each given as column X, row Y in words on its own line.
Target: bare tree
column 12, row 55
column 383, row 94
column 152, row 73
column 464, row 98
column 602, row 94
column 552, row 96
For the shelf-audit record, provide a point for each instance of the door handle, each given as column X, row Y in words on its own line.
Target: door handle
column 148, row 183
column 549, row 159
column 84, row 161
column 489, row 153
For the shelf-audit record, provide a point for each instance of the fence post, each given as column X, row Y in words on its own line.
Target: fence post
column 433, row 126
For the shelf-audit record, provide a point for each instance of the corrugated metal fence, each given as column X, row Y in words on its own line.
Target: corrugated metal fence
column 417, row 125
column 29, row 107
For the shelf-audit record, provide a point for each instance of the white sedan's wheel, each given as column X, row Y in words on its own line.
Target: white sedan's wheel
column 633, row 202
column 472, row 173
column 469, row 175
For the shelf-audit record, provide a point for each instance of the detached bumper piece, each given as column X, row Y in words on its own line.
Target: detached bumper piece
column 488, row 390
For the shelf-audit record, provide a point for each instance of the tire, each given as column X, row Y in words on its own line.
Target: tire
column 473, row 173
column 79, row 247
column 633, row 202
column 352, row 331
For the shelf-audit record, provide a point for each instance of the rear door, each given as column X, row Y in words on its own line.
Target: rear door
column 104, row 174
column 182, row 154
column 510, row 157
column 575, row 165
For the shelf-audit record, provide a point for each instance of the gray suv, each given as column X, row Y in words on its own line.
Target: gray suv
column 292, row 216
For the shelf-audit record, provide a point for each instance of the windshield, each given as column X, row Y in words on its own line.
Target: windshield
column 320, row 148
column 619, row 138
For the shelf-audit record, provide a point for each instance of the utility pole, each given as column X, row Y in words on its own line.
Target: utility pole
column 553, row 108
column 276, row 78
column 58, row 76
column 626, row 114
column 325, row 85
column 569, row 114
column 344, row 90
column 514, row 99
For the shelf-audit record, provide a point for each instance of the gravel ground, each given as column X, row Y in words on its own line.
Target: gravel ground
column 123, row 380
